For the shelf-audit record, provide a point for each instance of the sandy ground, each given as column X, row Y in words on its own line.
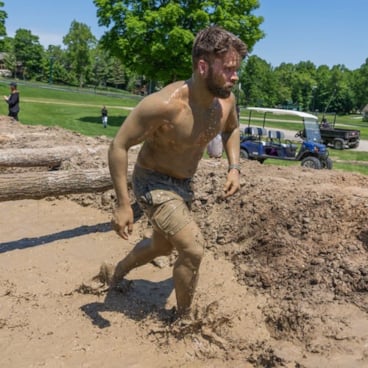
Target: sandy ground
column 283, row 283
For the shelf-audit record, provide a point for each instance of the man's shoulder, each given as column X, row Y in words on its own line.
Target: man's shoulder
column 169, row 98
column 175, row 90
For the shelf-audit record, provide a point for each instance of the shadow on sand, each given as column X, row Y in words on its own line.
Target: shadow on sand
column 143, row 298
column 46, row 239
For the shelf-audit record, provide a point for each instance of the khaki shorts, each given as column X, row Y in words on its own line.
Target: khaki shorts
column 165, row 200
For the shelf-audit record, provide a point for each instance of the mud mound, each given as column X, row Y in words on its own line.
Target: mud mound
column 297, row 236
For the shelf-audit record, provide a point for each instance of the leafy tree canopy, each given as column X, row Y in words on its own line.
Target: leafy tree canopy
column 3, row 16
column 79, row 42
column 28, row 51
column 154, row 37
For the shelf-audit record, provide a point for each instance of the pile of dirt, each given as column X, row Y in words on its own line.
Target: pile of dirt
column 284, row 282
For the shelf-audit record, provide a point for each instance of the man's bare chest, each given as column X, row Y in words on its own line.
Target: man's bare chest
column 195, row 126
column 191, row 131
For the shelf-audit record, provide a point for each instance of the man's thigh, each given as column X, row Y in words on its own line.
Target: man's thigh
column 171, row 216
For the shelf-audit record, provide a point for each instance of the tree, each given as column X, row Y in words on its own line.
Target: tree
column 304, row 84
column 3, row 16
column 154, row 37
column 106, row 70
column 359, row 84
column 341, row 99
column 79, row 42
column 322, row 92
column 285, row 77
column 28, row 53
column 54, row 65
column 258, row 82
column 10, row 63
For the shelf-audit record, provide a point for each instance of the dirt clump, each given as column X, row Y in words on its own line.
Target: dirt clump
column 284, row 282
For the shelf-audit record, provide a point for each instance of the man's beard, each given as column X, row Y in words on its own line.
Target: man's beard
column 214, row 88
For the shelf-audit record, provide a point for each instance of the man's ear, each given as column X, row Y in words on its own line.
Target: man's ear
column 202, row 67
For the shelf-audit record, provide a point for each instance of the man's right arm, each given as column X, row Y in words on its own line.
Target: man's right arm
column 122, row 220
column 140, row 124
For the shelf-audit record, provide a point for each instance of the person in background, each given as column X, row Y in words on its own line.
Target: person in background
column 325, row 123
column 175, row 125
column 13, row 101
column 104, row 116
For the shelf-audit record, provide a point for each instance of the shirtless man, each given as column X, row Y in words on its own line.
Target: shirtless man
column 176, row 124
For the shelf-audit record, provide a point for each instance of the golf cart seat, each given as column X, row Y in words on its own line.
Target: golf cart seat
column 253, row 133
column 250, row 131
column 276, row 135
column 261, row 131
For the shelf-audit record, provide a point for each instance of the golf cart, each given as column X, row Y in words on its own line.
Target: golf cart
column 258, row 143
column 338, row 138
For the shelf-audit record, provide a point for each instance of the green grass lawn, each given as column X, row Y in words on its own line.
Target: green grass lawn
column 71, row 108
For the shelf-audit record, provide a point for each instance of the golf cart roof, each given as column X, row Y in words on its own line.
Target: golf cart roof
column 282, row 112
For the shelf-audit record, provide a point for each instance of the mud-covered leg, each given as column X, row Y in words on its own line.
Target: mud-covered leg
column 189, row 243
column 144, row 252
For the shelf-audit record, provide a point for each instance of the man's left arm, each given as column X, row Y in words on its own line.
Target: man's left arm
column 231, row 142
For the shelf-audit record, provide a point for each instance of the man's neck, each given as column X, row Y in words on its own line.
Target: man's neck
column 199, row 94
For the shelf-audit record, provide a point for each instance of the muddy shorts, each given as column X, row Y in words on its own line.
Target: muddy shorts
column 165, row 200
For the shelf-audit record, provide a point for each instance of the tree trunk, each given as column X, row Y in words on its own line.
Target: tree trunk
column 43, row 184
column 30, row 157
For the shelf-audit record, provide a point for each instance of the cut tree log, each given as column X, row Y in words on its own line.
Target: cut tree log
column 38, row 185
column 51, row 157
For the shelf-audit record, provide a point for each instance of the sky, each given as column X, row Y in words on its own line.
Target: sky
column 325, row 32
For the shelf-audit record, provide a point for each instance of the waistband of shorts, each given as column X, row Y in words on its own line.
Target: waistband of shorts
column 170, row 179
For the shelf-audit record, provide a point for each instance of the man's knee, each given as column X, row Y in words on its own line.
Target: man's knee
column 195, row 254
column 192, row 252
column 190, row 257
column 189, row 243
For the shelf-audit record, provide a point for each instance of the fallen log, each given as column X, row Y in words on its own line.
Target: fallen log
column 53, row 183
column 51, row 157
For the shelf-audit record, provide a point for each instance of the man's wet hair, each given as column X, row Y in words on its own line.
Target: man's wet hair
column 214, row 41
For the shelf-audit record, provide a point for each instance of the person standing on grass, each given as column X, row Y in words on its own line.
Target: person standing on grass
column 104, row 116
column 13, row 101
column 175, row 125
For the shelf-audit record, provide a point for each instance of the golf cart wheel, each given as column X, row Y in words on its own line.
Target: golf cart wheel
column 244, row 154
column 311, row 162
column 338, row 144
column 327, row 164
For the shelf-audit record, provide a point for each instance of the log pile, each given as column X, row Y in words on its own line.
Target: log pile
column 39, row 168
column 51, row 157
column 36, row 185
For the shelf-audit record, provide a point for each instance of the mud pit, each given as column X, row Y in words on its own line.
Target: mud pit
column 283, row 283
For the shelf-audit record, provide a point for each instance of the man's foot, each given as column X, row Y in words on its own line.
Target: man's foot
column 104, row 281
column 106, row 278
column 100, row 283
column 106, row 274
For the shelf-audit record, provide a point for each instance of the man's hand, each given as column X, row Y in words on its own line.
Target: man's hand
column 232, row 184
column 122, row 221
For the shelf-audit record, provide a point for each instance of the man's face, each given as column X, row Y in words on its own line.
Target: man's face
column 222, row 74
